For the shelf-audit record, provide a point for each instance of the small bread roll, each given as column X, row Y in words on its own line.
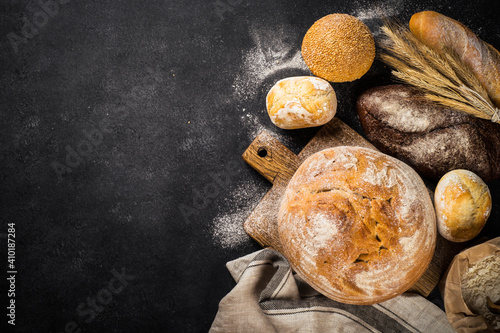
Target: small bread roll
column 338, row 48
column 463, row 204
column 301, row 101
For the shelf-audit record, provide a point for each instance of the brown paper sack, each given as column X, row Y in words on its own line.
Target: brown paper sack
column 459, row 315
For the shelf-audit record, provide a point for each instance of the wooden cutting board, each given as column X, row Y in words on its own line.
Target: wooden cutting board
column 277, row 164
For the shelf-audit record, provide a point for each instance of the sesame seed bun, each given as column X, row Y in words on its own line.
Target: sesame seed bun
column 338, row 48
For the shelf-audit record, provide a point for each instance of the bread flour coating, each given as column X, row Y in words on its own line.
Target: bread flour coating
column 338, row 48
column 357, row 225
column 300, row 102
column 463, row 205
column 430, row 138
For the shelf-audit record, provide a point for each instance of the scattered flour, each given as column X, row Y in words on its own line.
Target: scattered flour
column 372, row 13
column 253, row 124
column 227, row 228
column 378, row 9
column 270, row 55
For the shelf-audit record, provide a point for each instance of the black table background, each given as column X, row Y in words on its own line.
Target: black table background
column 172, row 93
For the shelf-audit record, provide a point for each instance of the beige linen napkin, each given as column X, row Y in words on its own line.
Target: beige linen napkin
column 268, row 297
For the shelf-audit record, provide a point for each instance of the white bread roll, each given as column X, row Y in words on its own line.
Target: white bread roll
column 300, row 102
column 463, row 205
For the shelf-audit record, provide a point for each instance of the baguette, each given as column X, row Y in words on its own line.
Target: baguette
column 438, row 31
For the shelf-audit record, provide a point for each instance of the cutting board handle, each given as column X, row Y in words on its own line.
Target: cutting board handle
column 271, row 158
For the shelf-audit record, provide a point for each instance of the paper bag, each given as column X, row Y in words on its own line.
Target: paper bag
column 458, row 313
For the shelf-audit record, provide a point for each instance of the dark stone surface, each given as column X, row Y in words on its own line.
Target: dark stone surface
column 115, row 118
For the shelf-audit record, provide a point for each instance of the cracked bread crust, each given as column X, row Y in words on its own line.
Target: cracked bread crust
column 431, row 138
column 357, row 225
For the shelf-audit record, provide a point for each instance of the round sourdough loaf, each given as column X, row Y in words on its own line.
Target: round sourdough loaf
column 357, row 225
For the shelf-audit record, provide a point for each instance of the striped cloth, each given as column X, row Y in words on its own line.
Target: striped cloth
column 268, row 297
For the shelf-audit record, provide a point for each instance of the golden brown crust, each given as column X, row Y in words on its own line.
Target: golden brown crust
column 463, row 205
column 338, row 48
column 301, row 101
column 357, row 225
column 439, row 31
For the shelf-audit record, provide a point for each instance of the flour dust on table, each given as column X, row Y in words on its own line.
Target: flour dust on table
column 272, row 53
column 272, row 57
column 227, row 227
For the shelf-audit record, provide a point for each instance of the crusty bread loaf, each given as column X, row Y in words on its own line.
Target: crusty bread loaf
column 357, row 225
column 463, row 205
column 300, row 102
column 431, row 138
column 439, row 31
column 338, row 48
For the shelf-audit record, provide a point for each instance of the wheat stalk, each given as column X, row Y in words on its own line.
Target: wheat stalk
column 440, row 74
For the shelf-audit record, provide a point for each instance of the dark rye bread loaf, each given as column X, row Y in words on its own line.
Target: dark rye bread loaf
column 432, row 139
